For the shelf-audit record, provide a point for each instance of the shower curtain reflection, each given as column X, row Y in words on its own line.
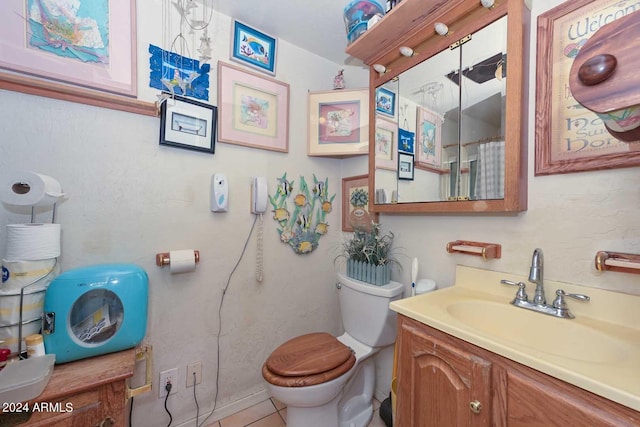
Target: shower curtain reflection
column 490, row 174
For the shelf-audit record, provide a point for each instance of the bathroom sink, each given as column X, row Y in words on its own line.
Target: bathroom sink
column 598, row 350
column 567, row 338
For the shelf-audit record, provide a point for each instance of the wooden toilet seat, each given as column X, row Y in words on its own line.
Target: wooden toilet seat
column 306, row 360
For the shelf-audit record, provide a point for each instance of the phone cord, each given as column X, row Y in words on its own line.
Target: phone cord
column 259, row 251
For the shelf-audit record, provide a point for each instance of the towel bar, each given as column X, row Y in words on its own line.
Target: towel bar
column 617, row 261
column 485, row 250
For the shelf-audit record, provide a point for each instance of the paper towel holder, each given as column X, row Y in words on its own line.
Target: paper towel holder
column 163, row 258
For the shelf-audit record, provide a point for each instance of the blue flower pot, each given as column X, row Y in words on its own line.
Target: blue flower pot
column 378, row 275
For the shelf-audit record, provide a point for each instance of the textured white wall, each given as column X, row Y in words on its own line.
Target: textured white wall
column 130, row 198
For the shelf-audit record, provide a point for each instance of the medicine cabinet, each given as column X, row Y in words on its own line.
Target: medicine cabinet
column 449, row 113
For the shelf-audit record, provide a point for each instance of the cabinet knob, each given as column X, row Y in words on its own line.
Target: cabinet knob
column 475, row 406
column 597, row 69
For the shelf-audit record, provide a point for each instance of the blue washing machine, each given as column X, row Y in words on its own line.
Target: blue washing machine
column 95, row 310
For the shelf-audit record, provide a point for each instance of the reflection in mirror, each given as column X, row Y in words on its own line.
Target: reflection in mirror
column 454, row 126
column 386, row 142
column 483, row 111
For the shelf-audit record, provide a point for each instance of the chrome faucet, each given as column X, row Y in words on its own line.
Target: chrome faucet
column 558, row 308
column 536, row 275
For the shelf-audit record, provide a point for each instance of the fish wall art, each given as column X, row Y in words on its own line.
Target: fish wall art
column 301, row 215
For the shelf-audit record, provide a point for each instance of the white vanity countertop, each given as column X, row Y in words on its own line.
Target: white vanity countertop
column 598, row 351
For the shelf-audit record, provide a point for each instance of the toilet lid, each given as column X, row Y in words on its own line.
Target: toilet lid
column 308, row 354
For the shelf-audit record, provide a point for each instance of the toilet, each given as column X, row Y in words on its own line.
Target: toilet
column 328, row 381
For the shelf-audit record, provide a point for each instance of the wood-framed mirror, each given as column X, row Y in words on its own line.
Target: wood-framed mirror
column 441, row 97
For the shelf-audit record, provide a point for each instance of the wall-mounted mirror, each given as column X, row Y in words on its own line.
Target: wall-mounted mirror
column 456, row 123
column 459, row 111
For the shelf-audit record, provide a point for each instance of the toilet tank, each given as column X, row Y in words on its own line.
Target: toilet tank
column 365, row 310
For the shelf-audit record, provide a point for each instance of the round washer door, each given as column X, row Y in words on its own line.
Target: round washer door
column 95, row 317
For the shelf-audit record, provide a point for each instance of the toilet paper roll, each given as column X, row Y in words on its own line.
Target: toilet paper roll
column 182, row 261
column 23, row 188
column 32, row 242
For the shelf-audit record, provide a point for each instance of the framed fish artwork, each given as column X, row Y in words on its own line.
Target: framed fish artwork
column 385, row 102
column 302, row 215
column 253, row 48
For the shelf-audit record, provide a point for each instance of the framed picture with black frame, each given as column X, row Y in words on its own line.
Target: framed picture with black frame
column 186, row 123
column 405, row 166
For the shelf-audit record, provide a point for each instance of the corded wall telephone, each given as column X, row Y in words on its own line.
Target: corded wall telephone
column 259, row 195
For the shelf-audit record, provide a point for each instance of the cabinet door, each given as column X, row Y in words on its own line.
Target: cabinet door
column 438, row 382
column 536, row 400
column 86, row 409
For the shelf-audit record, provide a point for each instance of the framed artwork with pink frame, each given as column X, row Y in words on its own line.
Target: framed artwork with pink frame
column 428, row 144
column 338, row 123
column 90, row 44
column 386, row 144
column 253, row 110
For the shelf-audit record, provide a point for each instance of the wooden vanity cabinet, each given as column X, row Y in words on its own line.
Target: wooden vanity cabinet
column 441, row 379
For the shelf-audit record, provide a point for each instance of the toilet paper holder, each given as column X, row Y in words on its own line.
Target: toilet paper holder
column 164, row 258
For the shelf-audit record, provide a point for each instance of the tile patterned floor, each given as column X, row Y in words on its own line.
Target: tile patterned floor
column 272, row 413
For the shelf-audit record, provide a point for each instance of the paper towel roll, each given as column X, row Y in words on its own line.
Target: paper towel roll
column 32, row 242
column 182, row 261
column 23, row 188
column 18, row 274
column 32, row 303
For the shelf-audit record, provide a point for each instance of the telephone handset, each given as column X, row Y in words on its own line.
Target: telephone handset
column 259, row 195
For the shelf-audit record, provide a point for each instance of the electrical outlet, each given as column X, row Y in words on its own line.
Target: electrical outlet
column 195, row 367
column 168, row 376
